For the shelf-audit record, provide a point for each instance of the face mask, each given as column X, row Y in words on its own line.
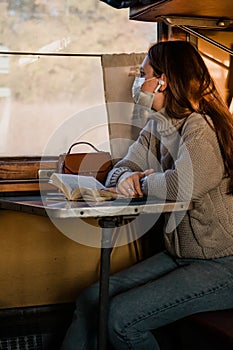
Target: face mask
column 142, row 97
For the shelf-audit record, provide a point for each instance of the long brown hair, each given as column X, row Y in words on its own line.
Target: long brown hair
column 191, row 89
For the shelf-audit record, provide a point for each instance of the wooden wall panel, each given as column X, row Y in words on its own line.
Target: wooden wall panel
column 40, row 266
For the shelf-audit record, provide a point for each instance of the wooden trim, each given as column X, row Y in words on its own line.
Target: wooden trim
column 24, row 186
column 21, row 173
column 24, row 167
column 208, row 8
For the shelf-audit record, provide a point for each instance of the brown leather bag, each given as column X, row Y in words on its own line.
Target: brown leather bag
column 96, row 164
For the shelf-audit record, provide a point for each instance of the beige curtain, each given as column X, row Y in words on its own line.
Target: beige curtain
column 125, row 122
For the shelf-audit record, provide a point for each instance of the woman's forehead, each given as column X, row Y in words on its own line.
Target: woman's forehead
column 145, row 66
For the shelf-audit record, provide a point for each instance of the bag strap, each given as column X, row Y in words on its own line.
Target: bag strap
column 82, row 143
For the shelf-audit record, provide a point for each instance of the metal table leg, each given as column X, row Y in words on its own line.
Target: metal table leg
column 108, row 225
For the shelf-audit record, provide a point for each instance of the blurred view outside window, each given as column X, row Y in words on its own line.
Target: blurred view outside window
column 40, row 92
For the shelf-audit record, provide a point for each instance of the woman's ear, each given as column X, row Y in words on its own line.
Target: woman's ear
column 162, row 82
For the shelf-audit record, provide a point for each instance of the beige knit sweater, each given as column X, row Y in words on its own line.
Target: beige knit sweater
column 187, row 167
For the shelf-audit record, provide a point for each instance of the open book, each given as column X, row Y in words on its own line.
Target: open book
column 77, row 187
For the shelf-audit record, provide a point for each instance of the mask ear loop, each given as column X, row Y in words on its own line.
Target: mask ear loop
column 161, row 83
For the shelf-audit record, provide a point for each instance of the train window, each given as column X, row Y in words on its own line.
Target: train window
column 50, row 65
column 40, row 94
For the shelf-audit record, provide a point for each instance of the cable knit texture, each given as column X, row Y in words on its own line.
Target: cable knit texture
column 188, row 166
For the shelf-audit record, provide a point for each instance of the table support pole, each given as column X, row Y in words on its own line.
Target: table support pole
column 108, row 225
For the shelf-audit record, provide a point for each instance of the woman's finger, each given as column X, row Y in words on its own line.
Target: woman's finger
column 127, row 189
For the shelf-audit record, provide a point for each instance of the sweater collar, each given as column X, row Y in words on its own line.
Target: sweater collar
column 166, row 125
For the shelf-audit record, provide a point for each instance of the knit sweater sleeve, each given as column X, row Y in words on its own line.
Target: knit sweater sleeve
column 136, row 158
column 197, row 169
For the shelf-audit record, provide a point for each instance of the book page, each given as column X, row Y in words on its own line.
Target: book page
column 78, row 186
column 94, row 195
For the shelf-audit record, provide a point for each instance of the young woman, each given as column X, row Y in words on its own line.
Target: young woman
column 185, row 152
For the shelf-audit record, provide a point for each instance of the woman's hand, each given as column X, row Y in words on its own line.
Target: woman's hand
column 130, row 186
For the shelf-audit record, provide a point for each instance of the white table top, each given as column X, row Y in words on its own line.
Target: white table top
column 52, row 206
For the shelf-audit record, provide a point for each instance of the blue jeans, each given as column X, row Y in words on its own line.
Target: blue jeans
column 148, row 295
